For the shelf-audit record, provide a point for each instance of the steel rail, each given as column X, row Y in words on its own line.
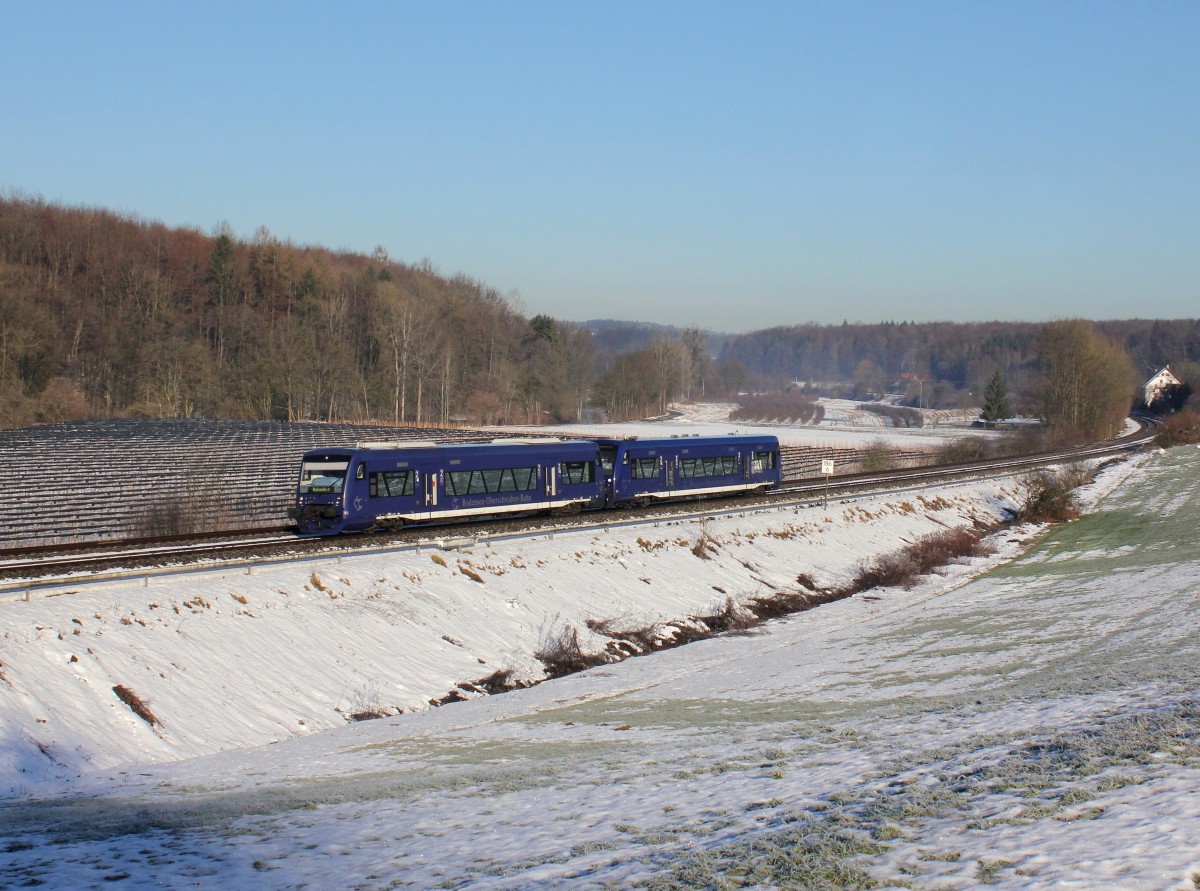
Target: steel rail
column 46, row 561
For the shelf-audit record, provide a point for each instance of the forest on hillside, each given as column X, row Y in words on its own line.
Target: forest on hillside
column 944, row 364
column 109, row 315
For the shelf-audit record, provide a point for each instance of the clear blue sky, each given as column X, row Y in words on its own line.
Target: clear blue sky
column 730, row 165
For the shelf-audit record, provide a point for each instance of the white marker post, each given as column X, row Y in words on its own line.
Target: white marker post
column 827, row 471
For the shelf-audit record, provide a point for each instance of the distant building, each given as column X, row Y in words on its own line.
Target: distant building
column 1162, row 386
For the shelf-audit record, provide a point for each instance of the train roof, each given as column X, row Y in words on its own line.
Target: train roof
column 688, row 440
column 503, row 446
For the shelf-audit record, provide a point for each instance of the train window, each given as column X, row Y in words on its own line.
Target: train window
column 608, row 456
column 390, row 484
column 761, row 461
column 483, row 482
column 323, row 477
column 689, row 468
column 579, row 472
column 643, row 469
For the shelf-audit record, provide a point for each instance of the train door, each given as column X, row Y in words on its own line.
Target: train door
column 429, row 487
column 552, row 480
column 669, row 472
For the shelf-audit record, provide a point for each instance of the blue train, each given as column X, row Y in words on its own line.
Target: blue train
column 389, row 485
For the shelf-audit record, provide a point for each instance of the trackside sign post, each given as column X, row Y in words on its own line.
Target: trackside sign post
column 827, row 472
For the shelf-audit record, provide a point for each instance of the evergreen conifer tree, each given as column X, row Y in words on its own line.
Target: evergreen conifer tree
column 995, row 401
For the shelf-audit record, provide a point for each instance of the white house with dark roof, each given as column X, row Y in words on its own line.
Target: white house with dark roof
column 1159, row 385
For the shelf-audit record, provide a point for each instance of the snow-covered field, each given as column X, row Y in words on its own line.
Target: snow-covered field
column 845, row 425
column 1037, row 726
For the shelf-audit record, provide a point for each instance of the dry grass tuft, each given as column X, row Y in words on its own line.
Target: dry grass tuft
column 728, row 616
column 369, row 714
column 1051, row 498
column 705, row 545
column 138, row 705
column 965, row 448
column 562, row 654
column 785, row 603
column 499, row 681
column 1181, row 428
column 903, row 568
column 470, row 573
column 630, row 642
column 366, row 705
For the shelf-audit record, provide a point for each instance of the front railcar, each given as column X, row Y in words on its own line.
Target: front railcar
column 391, row 485
column 321, row 492
column 515, row 476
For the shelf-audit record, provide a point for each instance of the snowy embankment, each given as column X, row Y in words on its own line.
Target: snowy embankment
column 226, row 658
column 1034, row 728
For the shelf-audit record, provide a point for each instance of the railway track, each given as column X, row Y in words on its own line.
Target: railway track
column 34, row 566
column 989, row 467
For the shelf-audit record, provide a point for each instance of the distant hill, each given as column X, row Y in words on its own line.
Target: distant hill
column 105, row 315
column 626, row 336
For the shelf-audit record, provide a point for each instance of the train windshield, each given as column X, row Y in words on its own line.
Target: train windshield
column 323, row 477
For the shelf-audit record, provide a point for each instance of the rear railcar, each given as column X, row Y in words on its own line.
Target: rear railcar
column 391, row 485
column 644, row 470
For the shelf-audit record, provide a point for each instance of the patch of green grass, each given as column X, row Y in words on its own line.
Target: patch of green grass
column 801, row 857
column 941, row 856
column 1130, row 530
column 831, row 845
column 988, row 868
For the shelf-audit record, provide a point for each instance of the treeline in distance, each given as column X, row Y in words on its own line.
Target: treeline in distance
column 108, row 315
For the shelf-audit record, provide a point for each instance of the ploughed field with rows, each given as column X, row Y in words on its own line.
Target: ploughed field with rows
column 93, row 481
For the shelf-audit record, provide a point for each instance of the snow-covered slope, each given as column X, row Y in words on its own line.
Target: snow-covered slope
column 232, row 657
column 1033, row 728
